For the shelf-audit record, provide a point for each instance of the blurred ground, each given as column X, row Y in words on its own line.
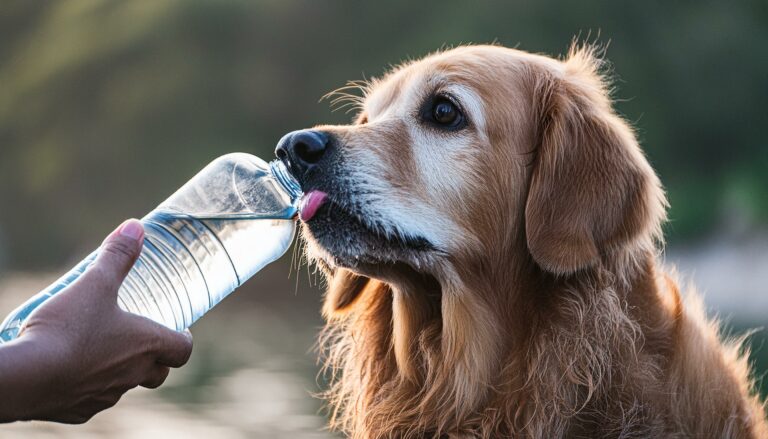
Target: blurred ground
column 253, row 370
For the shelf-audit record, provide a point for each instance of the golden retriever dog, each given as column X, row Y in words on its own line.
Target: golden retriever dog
column 490, row 231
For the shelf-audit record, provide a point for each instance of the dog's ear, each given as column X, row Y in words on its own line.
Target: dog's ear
column 592, row 189
column 344, row 287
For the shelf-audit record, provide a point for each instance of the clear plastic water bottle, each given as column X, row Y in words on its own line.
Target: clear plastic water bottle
column 220, row 228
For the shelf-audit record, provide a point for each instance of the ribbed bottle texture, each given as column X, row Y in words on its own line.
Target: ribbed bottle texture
column 214, row 233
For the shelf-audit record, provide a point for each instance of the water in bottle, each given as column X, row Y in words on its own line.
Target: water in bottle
column 219, row 229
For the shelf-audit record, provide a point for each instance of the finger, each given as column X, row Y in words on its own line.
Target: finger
column 170, row 348
column 119, row 252
column 174, row 347
column 156, row 376
column 87, row 409
column 72, row 418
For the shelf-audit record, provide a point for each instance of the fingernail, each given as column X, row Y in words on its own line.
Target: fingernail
column 132, row 229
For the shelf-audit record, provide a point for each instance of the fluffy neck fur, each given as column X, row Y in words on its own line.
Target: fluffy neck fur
column 496, row 354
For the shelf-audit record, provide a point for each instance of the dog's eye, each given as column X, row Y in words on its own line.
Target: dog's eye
column 444, row 112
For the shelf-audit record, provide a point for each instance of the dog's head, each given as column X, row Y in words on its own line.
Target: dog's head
column 474, row 157
column 475, row 185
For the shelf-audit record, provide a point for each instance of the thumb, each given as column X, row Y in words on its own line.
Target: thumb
column 119, row 251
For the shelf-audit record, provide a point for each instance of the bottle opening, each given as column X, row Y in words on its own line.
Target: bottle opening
column 286, row 179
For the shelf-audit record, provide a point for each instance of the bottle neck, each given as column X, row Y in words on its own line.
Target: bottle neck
column 286, row 180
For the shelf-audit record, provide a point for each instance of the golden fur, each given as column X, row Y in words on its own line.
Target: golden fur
column 548, row 314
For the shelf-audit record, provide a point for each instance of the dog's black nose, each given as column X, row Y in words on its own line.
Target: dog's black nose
column 302, row 150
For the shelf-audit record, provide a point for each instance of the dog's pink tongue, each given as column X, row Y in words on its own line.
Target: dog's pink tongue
column 309, row 204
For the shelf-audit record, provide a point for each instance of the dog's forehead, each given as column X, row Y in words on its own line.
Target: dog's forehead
column 469, row 71
column 384, row 92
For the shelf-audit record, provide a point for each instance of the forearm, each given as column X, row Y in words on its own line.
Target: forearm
column 24, row 378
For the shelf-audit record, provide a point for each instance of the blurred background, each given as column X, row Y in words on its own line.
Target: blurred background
column 106, row 107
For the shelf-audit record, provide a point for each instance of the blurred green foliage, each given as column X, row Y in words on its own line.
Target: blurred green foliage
column 108, row 106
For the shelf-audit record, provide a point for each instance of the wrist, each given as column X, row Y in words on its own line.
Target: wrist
column 14, row 382
column 27, row 380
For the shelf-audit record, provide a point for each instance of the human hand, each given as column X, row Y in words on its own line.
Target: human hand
column 79, row 353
